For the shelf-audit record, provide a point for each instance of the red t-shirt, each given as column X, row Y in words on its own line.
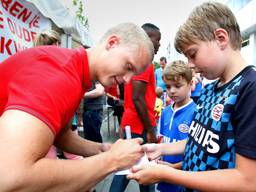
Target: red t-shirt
column 113, row 90
column 130, row 116
column 47, row 82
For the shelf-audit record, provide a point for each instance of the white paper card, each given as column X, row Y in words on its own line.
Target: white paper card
column 142, row 161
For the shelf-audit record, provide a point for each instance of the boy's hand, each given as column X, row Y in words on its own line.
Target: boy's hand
column 147, row 174
column 164, row 163
column 173, row 165
column 152, row 150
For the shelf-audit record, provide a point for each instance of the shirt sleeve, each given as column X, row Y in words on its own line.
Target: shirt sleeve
column 244, row 122
column 44, row 93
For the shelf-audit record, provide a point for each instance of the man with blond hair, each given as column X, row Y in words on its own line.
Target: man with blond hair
column 139, row 102
column 41, row 89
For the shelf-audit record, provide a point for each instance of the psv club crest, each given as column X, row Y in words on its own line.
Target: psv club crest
column 217, row 112
column 183, row 128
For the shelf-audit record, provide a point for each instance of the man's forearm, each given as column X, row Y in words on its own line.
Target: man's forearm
column 73, row 143
column 51, row 175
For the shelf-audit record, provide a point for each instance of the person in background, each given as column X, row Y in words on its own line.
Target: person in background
column 41, row 88
column 176, row 118
column 159, row 74
column 220, row 152
column 52, row 37
column 139, row 102
column 47, row 37
column 93, row 112
column 159, row 80
column 158, row 109
column 115, row 98
column 159, row 103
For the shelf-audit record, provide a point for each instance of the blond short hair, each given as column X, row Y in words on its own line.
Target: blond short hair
column 202, row 23
column 49, row 37
column 132, row 36
column 176, row 69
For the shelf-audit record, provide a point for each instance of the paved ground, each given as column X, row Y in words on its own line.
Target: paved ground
column 109, row 131
column 112, row 137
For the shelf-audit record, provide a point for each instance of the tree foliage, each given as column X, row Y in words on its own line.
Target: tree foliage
column 80, row 12
column 156, row 65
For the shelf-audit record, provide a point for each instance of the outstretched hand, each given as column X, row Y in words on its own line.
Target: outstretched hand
column 152, row 150
column 164, row 163
column 147, row 174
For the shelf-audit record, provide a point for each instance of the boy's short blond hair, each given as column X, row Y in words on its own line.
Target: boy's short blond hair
column 159, row 92
column 176, row 69
column 202, row 23
column 132, row 36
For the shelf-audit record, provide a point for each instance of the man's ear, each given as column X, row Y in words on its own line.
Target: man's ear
column 221, row 37
column 112, row 42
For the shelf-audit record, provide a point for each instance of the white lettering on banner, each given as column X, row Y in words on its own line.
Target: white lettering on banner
column 19, row 23
column 205, row 138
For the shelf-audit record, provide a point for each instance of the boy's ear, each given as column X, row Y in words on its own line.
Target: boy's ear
column 112, row 42
column 191, row 83
column 221, row 37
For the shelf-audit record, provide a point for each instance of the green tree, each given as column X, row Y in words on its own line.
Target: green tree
column 156, row 65
column 80, row 12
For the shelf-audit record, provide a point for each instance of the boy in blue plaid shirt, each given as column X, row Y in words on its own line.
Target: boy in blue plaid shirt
column 220, row 153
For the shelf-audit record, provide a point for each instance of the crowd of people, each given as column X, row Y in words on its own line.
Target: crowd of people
column 197, row 137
